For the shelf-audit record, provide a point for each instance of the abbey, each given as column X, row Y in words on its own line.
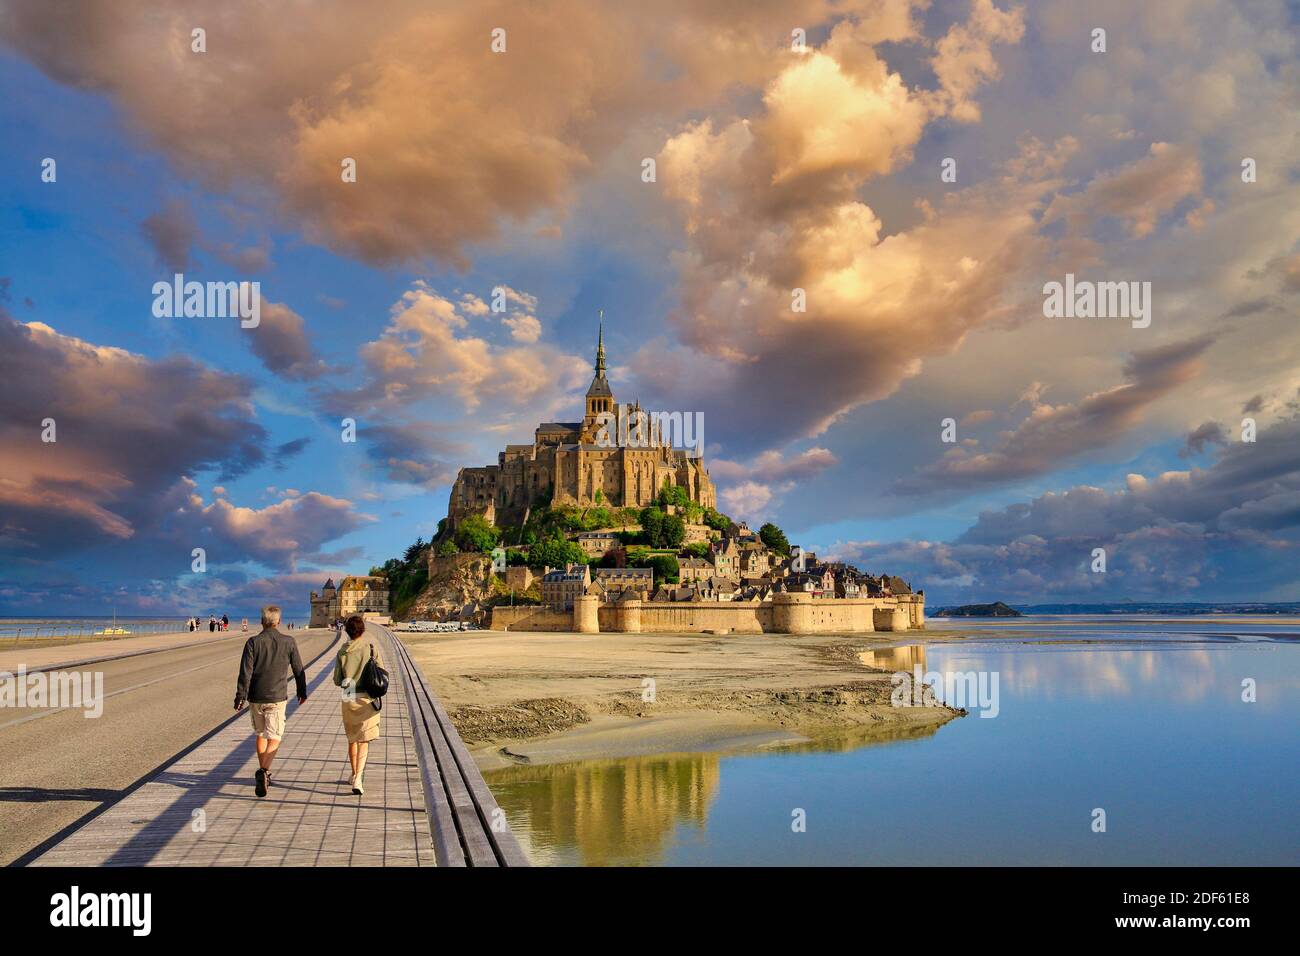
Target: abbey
column 574, row 463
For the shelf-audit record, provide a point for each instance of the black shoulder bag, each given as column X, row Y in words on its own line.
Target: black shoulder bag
column 374, row 679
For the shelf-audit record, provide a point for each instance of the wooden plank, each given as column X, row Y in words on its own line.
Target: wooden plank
column 505, row 846
column 477, row 849
column 310, row 817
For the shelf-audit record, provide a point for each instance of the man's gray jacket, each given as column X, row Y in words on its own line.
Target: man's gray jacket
column 268, row 658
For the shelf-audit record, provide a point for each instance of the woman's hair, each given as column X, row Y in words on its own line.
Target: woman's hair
column 355, row 625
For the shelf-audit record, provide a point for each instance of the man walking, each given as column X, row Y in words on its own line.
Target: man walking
column 268, row 658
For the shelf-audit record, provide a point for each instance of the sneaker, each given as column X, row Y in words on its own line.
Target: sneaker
column 357, row 788
column 261, row 782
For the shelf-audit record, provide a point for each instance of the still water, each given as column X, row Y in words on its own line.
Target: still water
column 1143, row 719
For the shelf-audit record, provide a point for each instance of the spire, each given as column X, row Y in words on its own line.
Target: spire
column 600, row 348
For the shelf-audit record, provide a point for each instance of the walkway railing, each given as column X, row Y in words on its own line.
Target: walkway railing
column 468, row 827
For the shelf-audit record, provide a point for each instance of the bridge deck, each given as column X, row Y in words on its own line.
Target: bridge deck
column 202, row 811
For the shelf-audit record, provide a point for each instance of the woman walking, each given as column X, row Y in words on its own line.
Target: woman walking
column 360, row 713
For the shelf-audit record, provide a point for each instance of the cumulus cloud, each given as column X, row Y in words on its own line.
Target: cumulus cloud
column 127, row 429
column 280, row 341
column 172, row 232
column 748, row 489
column 413, row 92
column 415, row 453
column 769, row 204
column 428, row 350
column 1052, row 434
column 1181, row 535
column 275, row 536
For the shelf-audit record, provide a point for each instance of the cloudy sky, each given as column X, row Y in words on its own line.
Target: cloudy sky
column 775, row 169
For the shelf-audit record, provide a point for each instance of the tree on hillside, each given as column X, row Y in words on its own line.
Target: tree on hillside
column 672, row 532
column 775, row 539
column 716, row 520
column 652, row 525
column 447, row 548
column 671, row 494
column 614, row 558
column 555, row 553
column 476, row 534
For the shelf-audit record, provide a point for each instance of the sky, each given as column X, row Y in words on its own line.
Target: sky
column 828, row 227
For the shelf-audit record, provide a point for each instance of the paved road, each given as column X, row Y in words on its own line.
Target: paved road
column 57, row 766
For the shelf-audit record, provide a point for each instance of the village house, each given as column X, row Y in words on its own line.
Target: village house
column 562, row 585
column 618, row 582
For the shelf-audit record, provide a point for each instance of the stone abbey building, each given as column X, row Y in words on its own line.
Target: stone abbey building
column 582, row 464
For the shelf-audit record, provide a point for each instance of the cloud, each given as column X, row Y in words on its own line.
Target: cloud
column 275, row 536
column 280, row 341
column 127, row 429
column 450, row 139
column 172, row 232
column 414, row 453
column 1224, row 532
column 1052, row 434
column 769, row 204
column 749, row 489
column 427, row 351
column 1205, row 435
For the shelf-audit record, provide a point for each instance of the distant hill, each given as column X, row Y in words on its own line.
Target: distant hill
column 1171, row 608
column 996, row 609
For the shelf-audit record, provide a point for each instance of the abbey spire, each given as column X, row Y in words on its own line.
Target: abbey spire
column 600, row 397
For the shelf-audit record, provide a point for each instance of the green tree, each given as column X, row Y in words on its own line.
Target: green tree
column 652, row 526
column 666, row 568
column 698, row 549
column 476, row 534
column 671, row 494
column 555, row 553
column 447, row 548
column 672, row 532
column 716, row 519
column 774, row 538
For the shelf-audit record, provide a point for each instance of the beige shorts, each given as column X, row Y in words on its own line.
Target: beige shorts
column 268, row 719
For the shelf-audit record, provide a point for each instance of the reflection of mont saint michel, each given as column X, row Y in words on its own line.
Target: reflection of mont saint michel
column 739, row 586
column 567, row 465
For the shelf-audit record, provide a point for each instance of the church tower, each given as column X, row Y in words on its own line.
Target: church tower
column 600, row 397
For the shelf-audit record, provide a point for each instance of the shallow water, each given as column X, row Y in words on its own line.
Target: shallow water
column 1143, row 719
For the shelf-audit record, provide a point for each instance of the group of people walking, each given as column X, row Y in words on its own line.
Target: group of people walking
column 270, row 656
column 214, row 623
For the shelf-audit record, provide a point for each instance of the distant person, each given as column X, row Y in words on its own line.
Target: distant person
column 193, row 624
column 264, row 669
column 360, row 713
column 225, row 623
column 212, row 623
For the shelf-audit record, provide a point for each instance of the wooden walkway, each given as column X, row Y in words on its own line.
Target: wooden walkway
column 202, row 811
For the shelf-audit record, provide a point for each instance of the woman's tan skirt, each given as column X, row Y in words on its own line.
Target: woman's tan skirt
column 360, row 720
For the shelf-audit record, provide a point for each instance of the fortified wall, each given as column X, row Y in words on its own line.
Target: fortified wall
column 790, row 612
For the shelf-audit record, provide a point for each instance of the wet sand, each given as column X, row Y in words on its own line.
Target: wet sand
column 543, row 698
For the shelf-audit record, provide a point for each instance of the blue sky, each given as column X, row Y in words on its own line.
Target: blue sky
column 776, row 168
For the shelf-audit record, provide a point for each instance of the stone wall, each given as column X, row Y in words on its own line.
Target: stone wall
column 788, row 613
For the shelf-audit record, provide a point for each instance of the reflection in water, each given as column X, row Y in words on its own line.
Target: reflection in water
column 896, row 658
column 626, row 811
column 607, row 811
column 1149, row 719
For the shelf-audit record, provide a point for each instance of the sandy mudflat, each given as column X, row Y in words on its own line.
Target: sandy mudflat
column 548, row 698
